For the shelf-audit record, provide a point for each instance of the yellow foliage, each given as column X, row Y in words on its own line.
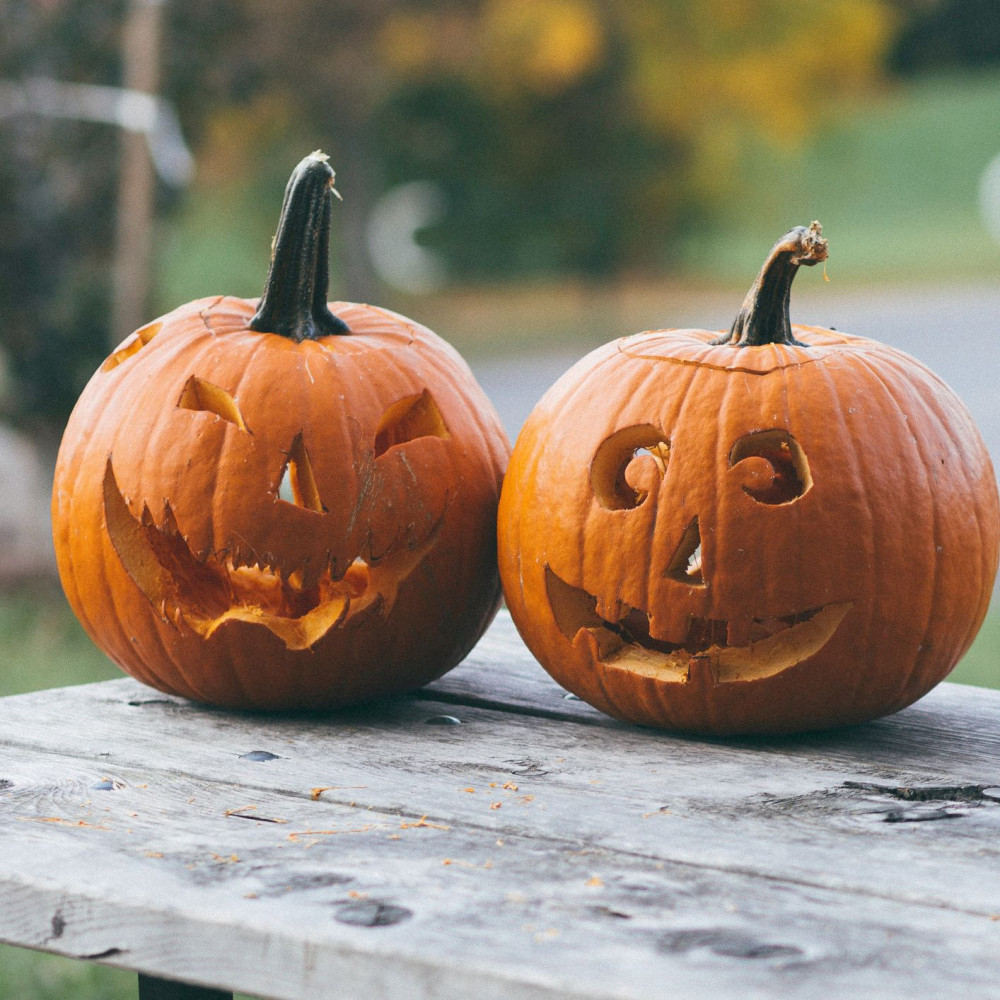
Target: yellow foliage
column 763, row 64
column 407, row 43
column 540, row 45
column 236, row 133
column 534, row 46
column 706, row 74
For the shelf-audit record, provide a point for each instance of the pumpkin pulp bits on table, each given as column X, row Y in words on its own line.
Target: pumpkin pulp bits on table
column 282, row 504
column 780, row 528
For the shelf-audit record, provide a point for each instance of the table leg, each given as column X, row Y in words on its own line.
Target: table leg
column 152, row 988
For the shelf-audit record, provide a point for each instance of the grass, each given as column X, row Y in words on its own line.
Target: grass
column 895, row 183
column 44, row 644
column 33, row 975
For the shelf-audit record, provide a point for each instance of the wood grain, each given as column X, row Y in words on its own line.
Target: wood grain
column 533, row 848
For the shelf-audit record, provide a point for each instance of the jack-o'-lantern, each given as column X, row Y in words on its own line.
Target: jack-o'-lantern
column 282, row 504
column 780, row 528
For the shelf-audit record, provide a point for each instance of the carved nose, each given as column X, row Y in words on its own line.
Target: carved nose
column 685, row 566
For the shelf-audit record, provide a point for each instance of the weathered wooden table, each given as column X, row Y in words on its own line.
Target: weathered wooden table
column 491, row 837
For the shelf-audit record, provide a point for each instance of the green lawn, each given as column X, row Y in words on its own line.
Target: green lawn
column 981, row 665
column 895, row 184
column 31, row 975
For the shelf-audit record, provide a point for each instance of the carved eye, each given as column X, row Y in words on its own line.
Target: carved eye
column 298, row 483
column 132, row 345
column 627, row 464
column 773, row 465
column 407, row 419
column 207, row 397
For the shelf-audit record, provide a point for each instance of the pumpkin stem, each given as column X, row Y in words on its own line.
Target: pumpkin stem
column 764, row 319
column 294, row 300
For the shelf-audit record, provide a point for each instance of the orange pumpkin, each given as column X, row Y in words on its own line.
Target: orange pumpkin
column 780, row 528
column 282, row 504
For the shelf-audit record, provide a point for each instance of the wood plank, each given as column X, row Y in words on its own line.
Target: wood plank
column 762, row 813
column 624, row 863
column 178, row 882
column 806, row 804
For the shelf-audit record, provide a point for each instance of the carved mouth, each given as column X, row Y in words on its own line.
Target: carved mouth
column 206, row 593
column 712, row 651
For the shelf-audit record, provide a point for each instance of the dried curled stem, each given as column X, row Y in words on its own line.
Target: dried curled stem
column 764, row 318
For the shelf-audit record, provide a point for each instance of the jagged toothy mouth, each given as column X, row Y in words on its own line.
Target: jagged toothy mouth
column 206, row 593
column 711, row 652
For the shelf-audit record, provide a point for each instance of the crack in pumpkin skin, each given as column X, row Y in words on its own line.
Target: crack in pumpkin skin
column 713, row 651
column 205, row 594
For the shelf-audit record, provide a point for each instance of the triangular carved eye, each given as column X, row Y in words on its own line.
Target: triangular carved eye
column 685, row 567
column 206, row 397
column 407, row 419
column 298, row 484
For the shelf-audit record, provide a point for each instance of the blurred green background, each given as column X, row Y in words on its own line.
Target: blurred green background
column 520, row 174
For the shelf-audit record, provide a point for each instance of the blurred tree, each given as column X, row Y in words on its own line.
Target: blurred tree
column 567, row 135
column 946, row 34
column 315, row 63
column 582, row 135
column 57, row 179
column 58, row 188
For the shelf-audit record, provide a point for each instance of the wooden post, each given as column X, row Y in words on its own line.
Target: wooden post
column 137, row 185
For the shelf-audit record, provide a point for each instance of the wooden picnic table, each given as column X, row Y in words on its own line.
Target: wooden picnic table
column 491, row 837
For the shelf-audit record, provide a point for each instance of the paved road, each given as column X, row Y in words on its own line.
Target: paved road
column 955, row 331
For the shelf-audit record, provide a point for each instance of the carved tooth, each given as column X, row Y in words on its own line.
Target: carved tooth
column 602, row 643
column 311, row 573
column 738, row 631
column 357, row 578
column 612, row 611
column 672, row 630
column 170, row 528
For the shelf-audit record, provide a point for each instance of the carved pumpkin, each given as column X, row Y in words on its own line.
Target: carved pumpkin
column 782, row 528
column 277, row 505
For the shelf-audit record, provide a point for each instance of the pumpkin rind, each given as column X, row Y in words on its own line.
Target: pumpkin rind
column 843, row 593
column 168, row 497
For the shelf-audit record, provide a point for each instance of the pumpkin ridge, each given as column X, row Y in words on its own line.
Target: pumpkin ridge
column 682, row 399
column 864, row 602
column 956, row 447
